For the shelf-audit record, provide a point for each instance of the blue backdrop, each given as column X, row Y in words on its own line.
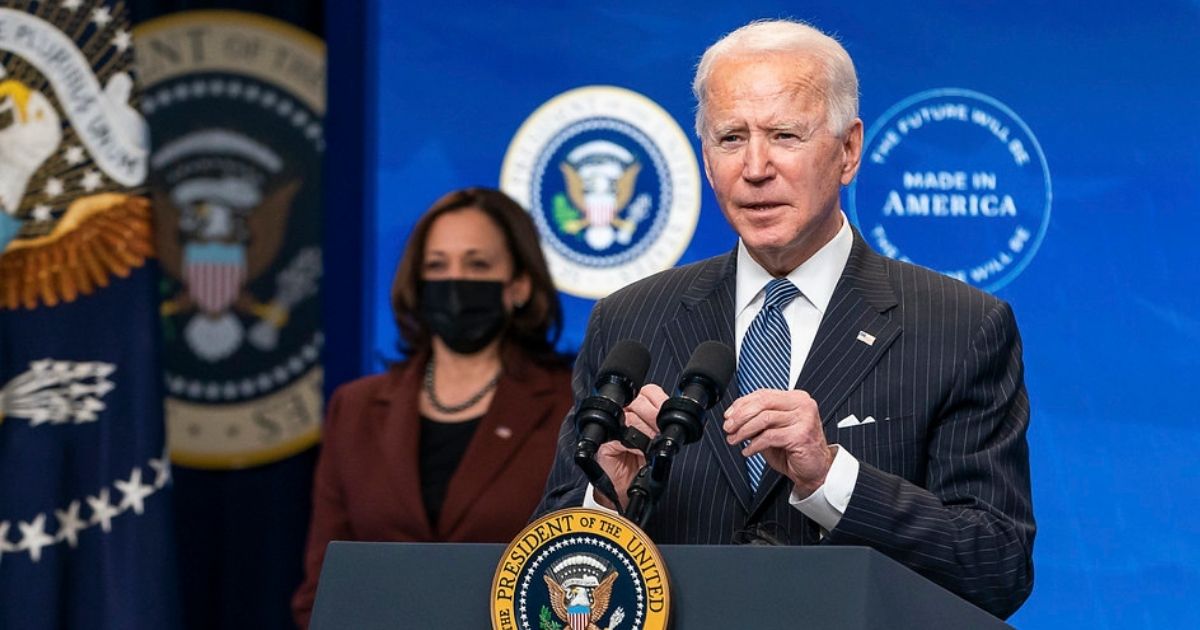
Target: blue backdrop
column 1106, row 301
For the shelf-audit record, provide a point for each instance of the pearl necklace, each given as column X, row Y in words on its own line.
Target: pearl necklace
column 463, row 406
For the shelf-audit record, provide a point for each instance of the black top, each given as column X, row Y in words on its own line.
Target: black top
column 442, row 448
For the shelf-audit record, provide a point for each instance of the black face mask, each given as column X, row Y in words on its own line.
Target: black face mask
column 466, row 314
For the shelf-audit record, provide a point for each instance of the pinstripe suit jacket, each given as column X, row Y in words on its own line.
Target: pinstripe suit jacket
column 943, row 485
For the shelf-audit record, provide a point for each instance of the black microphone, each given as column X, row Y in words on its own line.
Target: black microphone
column 680, row 421
column 681, row 417
column 601, row 416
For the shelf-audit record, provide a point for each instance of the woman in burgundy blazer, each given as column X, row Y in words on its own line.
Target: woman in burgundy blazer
column 453, row 444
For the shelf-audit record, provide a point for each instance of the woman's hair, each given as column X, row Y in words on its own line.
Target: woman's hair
column 534, row 326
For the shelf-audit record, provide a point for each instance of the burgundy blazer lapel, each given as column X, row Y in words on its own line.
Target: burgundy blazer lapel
column 402, row 436
column 523, row 396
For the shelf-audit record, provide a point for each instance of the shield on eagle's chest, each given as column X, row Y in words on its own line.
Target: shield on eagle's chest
column 214, row 273
column 578, row 616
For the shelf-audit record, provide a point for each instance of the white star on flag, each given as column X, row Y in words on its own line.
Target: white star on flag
column 54, row 187
column 71, row 5
column 34, row 537
column 162, row 470
column 122, row 41
column 41, row 212
column 91, row 180
column 74, row 155
column 69, row 524
column 102, row 511
column 134, row 492
column 4, row 546
column 101, row 17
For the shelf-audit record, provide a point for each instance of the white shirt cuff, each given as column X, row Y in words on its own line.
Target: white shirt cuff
column 589, row 498
column 828, row 503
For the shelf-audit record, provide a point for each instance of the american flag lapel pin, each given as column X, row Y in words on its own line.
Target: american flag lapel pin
column 866, row 337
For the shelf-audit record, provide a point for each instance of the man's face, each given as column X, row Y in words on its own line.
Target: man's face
column 773, row 163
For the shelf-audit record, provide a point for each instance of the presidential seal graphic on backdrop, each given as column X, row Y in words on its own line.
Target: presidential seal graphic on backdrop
column 236, row 103
column 954, row 180
column 580, row 569
column 611, row 182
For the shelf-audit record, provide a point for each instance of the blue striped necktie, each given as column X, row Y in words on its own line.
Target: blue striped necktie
column 766, row 356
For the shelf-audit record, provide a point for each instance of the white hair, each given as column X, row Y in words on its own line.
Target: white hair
column 787, row 36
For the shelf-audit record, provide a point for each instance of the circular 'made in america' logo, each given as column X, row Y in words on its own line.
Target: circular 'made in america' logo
column 612, row 183
column 954, row 180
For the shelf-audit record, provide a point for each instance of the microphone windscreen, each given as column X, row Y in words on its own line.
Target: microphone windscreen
column 712, row 360
column 628, row 359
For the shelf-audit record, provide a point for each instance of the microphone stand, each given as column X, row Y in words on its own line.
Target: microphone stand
column 643, row 496
column 651, row 480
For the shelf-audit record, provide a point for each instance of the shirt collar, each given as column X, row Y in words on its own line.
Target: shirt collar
column 816, row 277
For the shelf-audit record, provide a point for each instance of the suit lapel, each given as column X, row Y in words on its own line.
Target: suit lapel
column 707, row 314
column 517, row 408
column 402, row 428
column 854, row 333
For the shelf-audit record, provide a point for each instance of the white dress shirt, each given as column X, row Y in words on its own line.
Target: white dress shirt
column 816, row 278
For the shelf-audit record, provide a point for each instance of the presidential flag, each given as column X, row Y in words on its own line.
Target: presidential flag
column 85, row 510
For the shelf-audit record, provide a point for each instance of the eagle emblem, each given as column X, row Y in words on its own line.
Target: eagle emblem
column 72, row 148
column 30, row 132
column 580, row 589
column 215, row 235
column 600, row 178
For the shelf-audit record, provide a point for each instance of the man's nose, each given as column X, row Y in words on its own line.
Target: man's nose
column 756, row 161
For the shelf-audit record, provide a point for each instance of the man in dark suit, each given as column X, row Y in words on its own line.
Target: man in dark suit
column 904, row 427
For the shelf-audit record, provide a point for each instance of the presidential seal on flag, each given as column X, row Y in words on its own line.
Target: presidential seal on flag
column 236, row 102
column 72, row 151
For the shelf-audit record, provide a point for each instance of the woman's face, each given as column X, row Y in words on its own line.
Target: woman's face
column 467, row 245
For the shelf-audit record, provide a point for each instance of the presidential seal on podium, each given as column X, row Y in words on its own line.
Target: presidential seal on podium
column 580, row 569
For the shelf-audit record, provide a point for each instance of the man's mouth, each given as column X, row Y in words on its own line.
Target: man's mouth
column 758, row 206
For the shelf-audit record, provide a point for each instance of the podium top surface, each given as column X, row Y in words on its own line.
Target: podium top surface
column 408, row 585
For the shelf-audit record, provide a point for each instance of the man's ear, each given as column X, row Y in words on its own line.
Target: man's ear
column 852, row 146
